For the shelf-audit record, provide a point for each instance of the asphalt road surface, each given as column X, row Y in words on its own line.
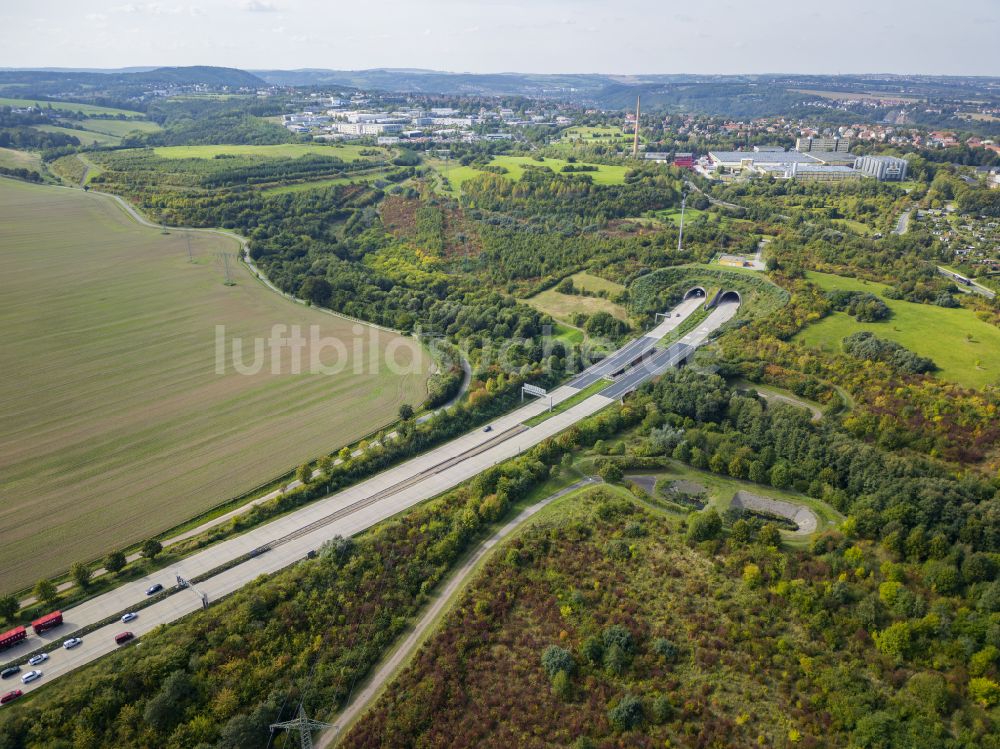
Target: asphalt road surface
column 345, row 513
column 632, row 352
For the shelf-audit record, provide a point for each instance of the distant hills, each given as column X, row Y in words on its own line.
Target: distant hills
column 738, row 96
column 119, row 84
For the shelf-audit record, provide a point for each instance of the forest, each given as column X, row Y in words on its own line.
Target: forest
column 883, row 635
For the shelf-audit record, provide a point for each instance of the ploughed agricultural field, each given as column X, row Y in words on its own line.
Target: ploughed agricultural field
column 116, row 424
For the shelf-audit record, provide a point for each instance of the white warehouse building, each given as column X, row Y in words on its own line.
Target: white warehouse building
column 882, row 168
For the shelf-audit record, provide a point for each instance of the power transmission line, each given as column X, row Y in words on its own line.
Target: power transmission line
column 225, row 263
column 304, row 725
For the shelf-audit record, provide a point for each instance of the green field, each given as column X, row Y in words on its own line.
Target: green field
column 69, row 106
column 562, row 307
column 673, row 215
column 120, row 127
column 457, row 174
column 116, row 425
column 282, row 150
column 319, row 184
column 13, row 159
column 87, row 137
column 596, row 134
column 932, row 331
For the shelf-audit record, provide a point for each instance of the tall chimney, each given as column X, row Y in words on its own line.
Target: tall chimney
column 635, row 144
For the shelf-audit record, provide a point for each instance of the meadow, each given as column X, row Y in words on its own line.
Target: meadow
column 88, row 110
column 563, row 307
column 966, row 349
column 282, row 150
column 14, row 159
column 515, row 165
column 116, row 424
column 365, row 176
column 87, row 137
column 119, row 127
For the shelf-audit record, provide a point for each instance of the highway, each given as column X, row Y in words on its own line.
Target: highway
column 634, row 351
column 350, row 511
column 972, row 285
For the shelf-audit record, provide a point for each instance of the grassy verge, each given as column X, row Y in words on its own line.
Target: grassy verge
column 567, row 404
column 691, row 322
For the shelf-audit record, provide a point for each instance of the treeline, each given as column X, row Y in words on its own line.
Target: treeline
column 29, row 175
column 868, row 346
column 574, row 198
column 31, row 138
column 209, row 121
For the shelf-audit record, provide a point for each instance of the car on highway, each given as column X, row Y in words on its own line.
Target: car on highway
column 72, row 642
column 10, row 696
column 122, row 637
column 36, row 659
column 129, row 617
column 31, row 676
column 8, row 672
column 153, row 589
column 488, row 428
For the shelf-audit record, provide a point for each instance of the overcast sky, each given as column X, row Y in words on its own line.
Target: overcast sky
column 607, row 36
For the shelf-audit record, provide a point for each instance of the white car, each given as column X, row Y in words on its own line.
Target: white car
column 72, row 642
column 129, row 617
column 36, row 659
column 31, row 676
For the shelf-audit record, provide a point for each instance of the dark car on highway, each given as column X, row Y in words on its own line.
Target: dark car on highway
column 8, row 672
column 153, row 589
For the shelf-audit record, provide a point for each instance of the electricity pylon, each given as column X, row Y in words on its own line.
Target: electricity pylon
column 304, row 725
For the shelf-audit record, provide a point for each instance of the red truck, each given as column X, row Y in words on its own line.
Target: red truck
column 47, row 622
column 9, row 639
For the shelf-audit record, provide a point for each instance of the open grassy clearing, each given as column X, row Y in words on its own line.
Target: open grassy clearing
column 120, row 127
column 595, row 133
column 966, row 349
column 855, row 226
column 87, row 137
column 515, row 165
column 673, row 215
column 14, row 159
column 563, row 307
column 592, row 283
column 605, row 174
column 282, row 150
column 366, row 176
column 116, row 424
column 69, row 106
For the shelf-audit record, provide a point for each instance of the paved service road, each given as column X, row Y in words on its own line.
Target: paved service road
column 345, row 513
